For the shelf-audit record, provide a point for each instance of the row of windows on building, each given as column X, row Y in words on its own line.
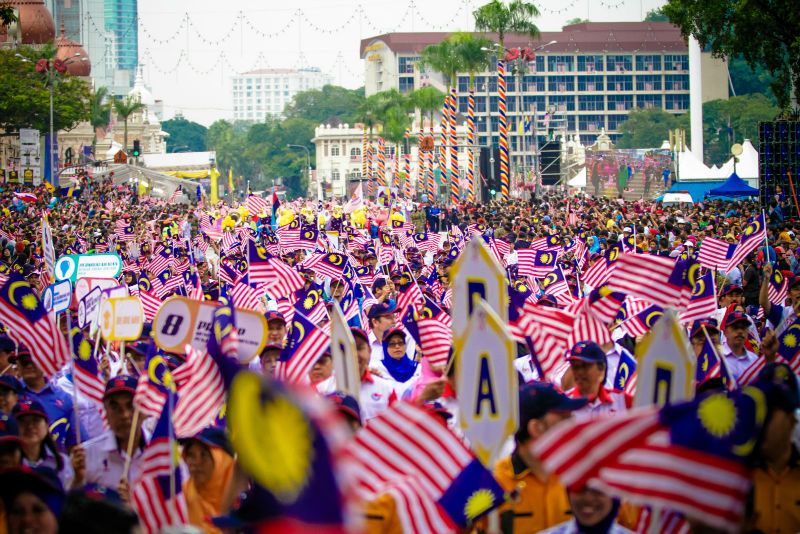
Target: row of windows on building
column 264, row 94
column 587, row 63
column 542, row 103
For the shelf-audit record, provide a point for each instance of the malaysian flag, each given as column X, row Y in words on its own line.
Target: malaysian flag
column 555, row 284
column 641, row 323
column 366, row 275
column 86, row 374
column 155, row 383
column 331, row 264
column 285, row 280
column 599, row 273
column 548, row 330
column 433, row 476
column 550, row 243
column 306, row 344
column 408, row 292
column 174, row 196
column 310, row 304
column 427, row 242
column 431, row 328
column 536, row 263
column 150, row 304
column 709, row 365
column 223, row 343
column 162, row 259
column 385, row 248
column 715, row 253
column 789, row 345
column 754, row 235
column 778, row 288
column 29, row 324
column 247, row 296
column 201, row 393
column 703, row 298
column 625, row 378
column 289, row 236
column 685, row 457
column 255, row 204
column 230, row 241
column 157, row 497
column 310, row 238
column 658, row 279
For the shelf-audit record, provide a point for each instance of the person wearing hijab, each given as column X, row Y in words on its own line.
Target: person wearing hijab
column 209, row 459
column 593, row 512
column 398, row 366
column 594, row 244
column 37, row 444
column 33, row 498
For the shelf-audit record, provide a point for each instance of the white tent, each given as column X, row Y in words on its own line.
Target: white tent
column 579, row 180
column 746, row 167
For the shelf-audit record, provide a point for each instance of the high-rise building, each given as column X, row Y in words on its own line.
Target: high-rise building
column 584, row 82
column 265, row 92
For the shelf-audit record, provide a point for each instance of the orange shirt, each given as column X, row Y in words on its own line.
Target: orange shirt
column 777, row 498
column 540, row 504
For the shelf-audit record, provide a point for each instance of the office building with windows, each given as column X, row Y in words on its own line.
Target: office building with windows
column 586, row 82
column 265, row 92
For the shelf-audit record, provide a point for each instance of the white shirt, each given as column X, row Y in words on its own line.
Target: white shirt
column 375, row 396
column 571, row 527
column 105, row 461
column 607, row 402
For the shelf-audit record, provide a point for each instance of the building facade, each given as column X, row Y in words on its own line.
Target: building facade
column 261, row 93
column 338, row 157
column 588, row 80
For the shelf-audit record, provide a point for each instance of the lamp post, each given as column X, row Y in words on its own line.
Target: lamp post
column 308, row 166
column 53, row 69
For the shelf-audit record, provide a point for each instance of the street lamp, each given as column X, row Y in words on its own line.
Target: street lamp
column 308, row 165
column 52, row 69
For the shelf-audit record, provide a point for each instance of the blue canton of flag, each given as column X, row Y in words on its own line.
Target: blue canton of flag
column 626, row 371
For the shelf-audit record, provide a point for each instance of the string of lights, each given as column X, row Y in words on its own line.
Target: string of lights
column 464, row 4
column 564, row 9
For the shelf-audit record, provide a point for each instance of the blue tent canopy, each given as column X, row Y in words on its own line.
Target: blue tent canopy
column 734, row 187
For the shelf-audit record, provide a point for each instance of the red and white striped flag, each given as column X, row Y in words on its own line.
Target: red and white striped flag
column 201, row 393
column 306, row 345
column 150, row 304
column 549, row 330
column 715, row 253
column 658, row 279
column 255, row 204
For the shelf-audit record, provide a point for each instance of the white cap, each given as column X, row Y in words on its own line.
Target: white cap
column 627, row 230
column 688, row 243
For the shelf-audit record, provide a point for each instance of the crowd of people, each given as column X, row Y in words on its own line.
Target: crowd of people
column 71, row 463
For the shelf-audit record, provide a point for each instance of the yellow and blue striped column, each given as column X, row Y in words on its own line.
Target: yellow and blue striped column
column 503, row 128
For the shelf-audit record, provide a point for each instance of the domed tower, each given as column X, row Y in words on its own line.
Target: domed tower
column 36, row 24
column 73, row 54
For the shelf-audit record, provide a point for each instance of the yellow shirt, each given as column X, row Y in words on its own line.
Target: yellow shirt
column 539, row 505
column 777, row 498
column 380, row 516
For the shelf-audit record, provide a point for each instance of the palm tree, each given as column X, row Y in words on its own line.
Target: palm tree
column 99, row 110
column 125, row 108
column 428, row 100
column 501, row 18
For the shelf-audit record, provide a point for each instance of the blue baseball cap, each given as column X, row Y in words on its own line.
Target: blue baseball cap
column 358, row 332
column 536, row 399
column 6, row 343
column 10, row 382
column 273, row 315
column 587, row 351
column 121, row 383
column 697, row 326
column 346, row 404
column 9, row 429
column 730, row 288
column 28, row 406
column 380, row 309
column 734, row 318
column 781, row 386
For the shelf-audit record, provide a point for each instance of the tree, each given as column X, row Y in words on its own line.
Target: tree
column 730, row 121
column 125, row 108
column 442, row 57
column 656, row 15
column 501, row 18
column 7, row 15
column 767, row 35
column 99, row 114
column 370, row 111
column 576, row 20
column 747, row 80
column 25, row 100
column 185, row 135
column 428, row 100
column 329, row 105
column 648, row 128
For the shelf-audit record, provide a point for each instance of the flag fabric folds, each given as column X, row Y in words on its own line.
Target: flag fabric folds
column 306, row 345
column 29, row 324
column 715, row 253
column 437, row 483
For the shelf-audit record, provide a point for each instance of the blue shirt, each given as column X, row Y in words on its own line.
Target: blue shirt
column 57, row 404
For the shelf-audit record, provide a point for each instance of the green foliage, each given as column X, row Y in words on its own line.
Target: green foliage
column 125, row 107
column 330, row 105
column 442, row 57
column 7, row 15
column 647, row 128
column 747, row 80
column 576, row 20
column 732, row 121
column 472, row 54
column 25, row 100
column 428, row 100
column 184, row 135
column 501, row 18
column 766, row 34
column 725, row 122
column 656, row 15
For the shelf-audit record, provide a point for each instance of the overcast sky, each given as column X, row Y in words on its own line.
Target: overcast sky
column 189, row 66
